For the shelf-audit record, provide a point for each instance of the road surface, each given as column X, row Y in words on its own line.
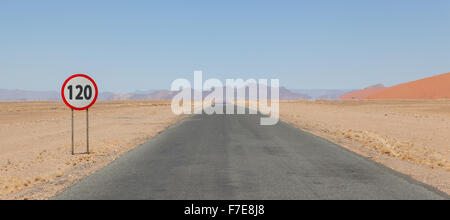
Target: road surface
column 233, row 157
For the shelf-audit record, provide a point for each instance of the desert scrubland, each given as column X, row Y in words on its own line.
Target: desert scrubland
column 412, row 137
column 35, row 142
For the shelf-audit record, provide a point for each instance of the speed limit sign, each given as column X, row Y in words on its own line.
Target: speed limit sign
column 79, row 92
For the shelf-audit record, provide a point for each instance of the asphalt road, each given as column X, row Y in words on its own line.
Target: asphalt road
column 233, row 157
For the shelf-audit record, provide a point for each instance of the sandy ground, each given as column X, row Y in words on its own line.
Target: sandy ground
column 412, row 137
column 35, row 146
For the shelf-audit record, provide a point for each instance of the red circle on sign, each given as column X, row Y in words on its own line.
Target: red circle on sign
column 95, row 87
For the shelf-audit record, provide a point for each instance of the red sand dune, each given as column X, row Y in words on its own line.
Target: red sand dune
column 364, row 93
column 436, row 87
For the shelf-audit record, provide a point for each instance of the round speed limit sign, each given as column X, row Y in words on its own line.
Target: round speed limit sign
column 79, row 92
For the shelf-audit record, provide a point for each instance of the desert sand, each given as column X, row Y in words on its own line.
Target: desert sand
column 35, row 149
column 411, row 137
column 35, row 146
column 436, row 87
column 364, row 93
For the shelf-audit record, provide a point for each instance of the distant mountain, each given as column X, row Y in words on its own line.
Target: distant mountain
column 146, row 91
column 22, row 95
column 435, row 87
column 156, row 95
column 106, row 96
column 364, row 93
column 286, row 94
column 25, row 95
column 331, row 94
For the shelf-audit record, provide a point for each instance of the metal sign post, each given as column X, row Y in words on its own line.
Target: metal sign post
column 87, row 131
column 73, row 149
column 80, row 92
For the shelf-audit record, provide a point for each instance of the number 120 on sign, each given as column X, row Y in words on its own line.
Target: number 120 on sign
column 79, row 92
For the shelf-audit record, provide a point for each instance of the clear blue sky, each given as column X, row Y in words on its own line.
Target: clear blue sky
column 138, row 45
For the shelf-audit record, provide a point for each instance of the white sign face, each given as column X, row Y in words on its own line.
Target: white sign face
column 79, row 92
